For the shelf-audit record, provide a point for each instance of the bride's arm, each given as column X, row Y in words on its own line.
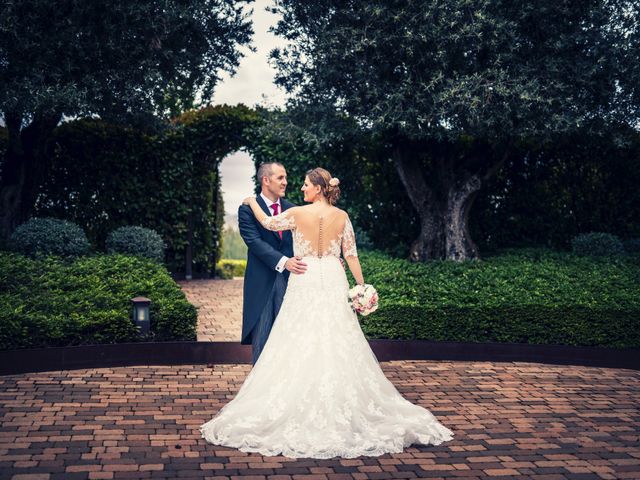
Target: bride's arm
column 282, row 221
column 356, row 270
column 350, row 252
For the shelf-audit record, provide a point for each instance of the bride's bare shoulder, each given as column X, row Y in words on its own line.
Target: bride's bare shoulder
column 295, row 210
column 303, row 209
column 342, row 212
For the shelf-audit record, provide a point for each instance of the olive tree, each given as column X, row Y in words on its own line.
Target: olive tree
column 425, row 74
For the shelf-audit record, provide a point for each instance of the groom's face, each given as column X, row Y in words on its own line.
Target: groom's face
column 276, row 183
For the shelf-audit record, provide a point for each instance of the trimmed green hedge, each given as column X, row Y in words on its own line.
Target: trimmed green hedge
column 229, row 268
column 49, row 302
column 597, row 244
column 167, row 182
column 522, row 296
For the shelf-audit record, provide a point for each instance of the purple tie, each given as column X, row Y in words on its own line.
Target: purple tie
column 275, row 212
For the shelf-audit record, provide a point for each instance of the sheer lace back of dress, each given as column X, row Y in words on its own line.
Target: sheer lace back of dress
column 316, row 234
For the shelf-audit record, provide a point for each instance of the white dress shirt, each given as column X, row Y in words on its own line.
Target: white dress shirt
column 283, row 260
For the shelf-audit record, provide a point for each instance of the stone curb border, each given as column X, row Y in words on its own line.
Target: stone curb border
column 181, row 353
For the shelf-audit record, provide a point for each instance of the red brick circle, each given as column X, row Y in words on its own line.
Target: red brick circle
column 510, row 419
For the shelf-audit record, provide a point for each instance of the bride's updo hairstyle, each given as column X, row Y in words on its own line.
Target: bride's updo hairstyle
column 329, row 186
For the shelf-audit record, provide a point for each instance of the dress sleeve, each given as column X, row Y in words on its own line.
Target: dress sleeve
column 283, row 221
column 348, row 240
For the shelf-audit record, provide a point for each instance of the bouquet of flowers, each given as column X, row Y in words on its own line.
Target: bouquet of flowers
column 364, row 299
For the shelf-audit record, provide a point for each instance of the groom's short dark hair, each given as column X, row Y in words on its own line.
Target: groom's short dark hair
column 264, row 170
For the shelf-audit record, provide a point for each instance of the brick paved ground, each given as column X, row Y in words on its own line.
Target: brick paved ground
column 219, row 305
column 511, row 419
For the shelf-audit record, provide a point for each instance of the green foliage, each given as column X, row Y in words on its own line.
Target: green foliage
column 229, row 268
column 233, row 247
column 168, row 182
column 363, row 241
column 120, row 178
column 116, row 59
column 544, row 195
column 43, row 236
column 208, row 135
column 370, row 188
column 134, row 240
column 491, row 69
column 597, row 244
column 48, row 302
column 522, row 296
column 547, row 194
column 4, row 140
column 632, row 246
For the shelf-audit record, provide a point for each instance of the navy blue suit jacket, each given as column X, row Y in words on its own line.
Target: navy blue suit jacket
column 265, row 249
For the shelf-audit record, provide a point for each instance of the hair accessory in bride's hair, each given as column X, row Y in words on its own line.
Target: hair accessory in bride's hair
column 334, row 182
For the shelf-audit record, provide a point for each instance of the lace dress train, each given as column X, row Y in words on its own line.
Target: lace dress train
column 317, row 390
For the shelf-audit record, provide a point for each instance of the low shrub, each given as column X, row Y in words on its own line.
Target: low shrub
column 49, row 236
column 538, row 296
column 48, row 302
column 134, row 240
column 227, row 269
column 597, row 244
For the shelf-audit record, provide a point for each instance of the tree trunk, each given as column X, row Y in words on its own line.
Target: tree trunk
column 12, row 180
column 444, row 205
column 430, row 241
column 459, row 245
column 24, row 168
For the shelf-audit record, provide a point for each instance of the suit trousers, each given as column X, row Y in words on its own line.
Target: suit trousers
column 260, row 333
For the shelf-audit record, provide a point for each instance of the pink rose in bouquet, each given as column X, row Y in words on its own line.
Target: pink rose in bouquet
column 363, row 299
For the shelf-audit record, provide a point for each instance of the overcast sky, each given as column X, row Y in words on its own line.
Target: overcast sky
column 252, row 84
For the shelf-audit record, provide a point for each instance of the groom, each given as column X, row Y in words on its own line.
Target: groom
column 269, row 259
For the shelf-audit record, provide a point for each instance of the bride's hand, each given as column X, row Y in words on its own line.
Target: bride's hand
column 247, row 201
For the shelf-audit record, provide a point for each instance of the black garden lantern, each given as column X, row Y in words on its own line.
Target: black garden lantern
column 141, row 313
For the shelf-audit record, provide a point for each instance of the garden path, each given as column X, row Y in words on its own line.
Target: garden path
column 219, row 304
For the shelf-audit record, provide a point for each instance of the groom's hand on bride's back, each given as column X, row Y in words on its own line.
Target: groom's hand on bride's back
column 295, row 265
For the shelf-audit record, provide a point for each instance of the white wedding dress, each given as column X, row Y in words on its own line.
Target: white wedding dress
column 317, row 390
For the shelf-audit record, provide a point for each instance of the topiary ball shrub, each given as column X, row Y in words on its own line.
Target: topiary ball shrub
column 134, row 240
column 597, row 244
column 49, row 236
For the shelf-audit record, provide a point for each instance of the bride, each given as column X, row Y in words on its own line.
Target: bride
column 317, row 390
